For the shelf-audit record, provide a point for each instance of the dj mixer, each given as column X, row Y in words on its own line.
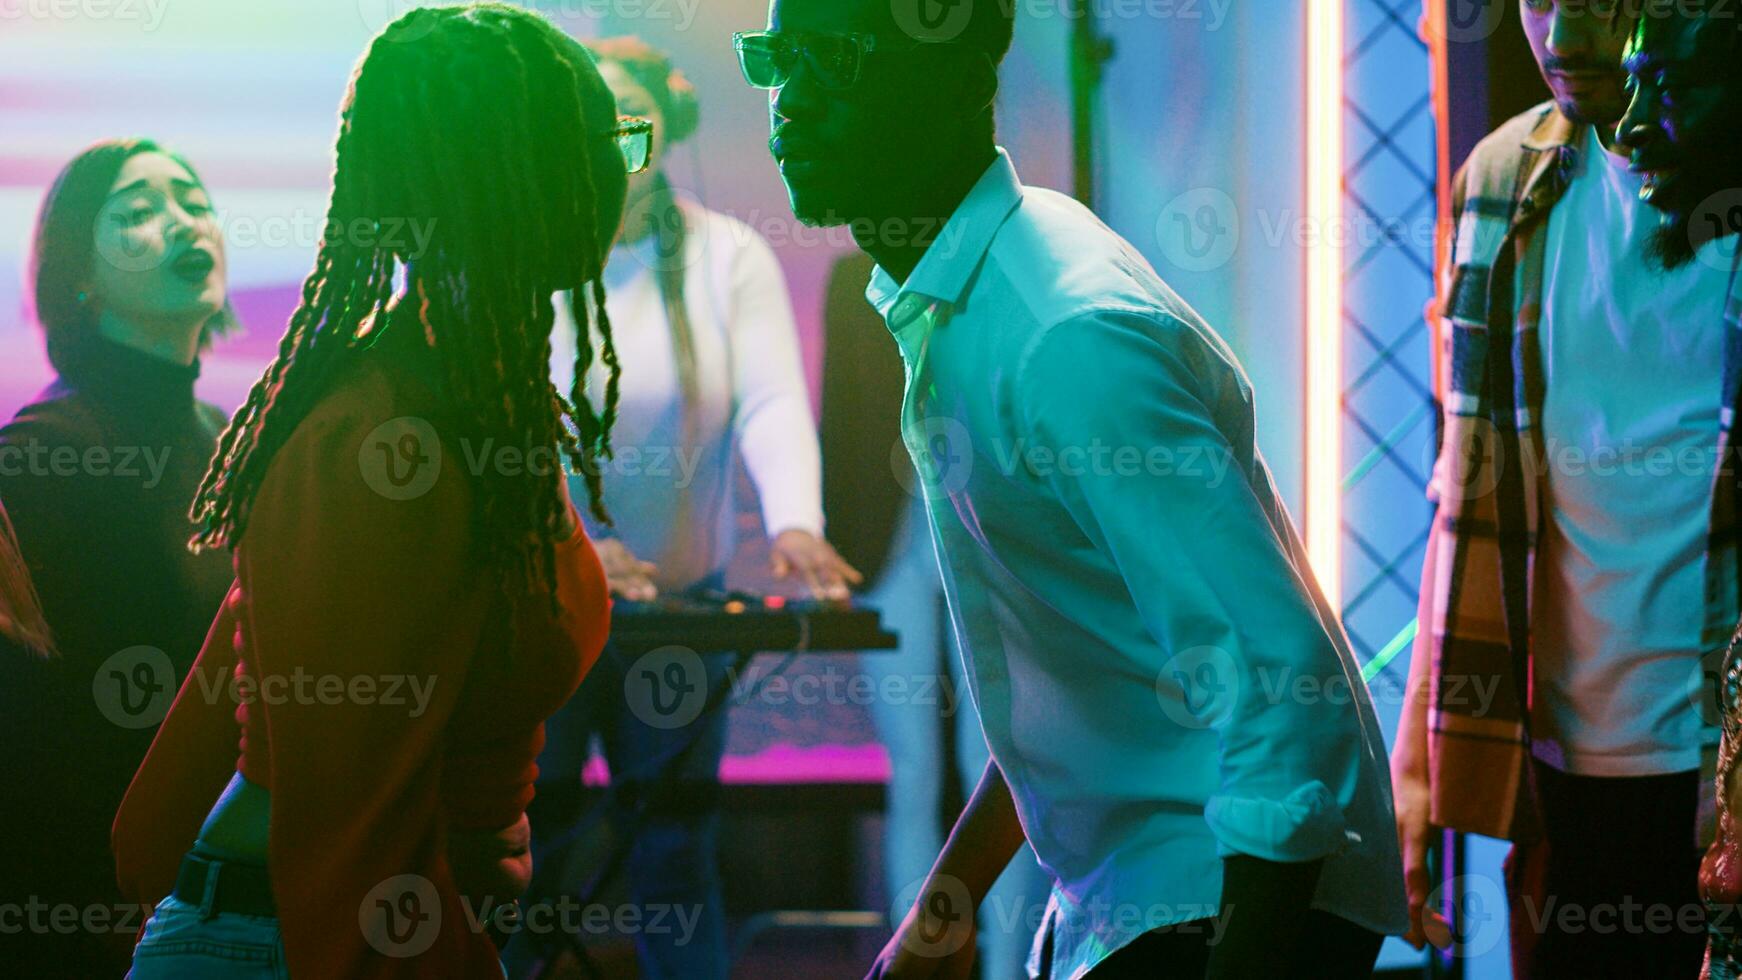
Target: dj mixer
column 746, row 622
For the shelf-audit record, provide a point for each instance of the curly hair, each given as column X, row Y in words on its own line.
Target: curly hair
column 474, row 120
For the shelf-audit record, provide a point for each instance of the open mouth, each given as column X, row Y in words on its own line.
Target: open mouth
column 1656, row 182
column 194, row 265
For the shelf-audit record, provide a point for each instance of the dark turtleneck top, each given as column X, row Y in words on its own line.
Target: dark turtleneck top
column 97, row 474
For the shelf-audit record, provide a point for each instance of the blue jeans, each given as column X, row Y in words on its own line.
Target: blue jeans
column 184, row 941
column 673, row 862
column 181, row 943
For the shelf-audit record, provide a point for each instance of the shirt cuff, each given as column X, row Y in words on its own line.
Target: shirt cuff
column 787, row 510
column 1305, row 826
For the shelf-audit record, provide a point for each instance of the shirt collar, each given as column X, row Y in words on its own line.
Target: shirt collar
column 944, row 271
column 1556, row 144
column 1552, row 132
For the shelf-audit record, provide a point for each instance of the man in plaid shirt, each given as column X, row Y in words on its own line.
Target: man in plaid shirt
column 1580, row 578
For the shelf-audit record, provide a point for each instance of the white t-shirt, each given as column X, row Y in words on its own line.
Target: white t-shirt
column 672, row 499
column 1633, row 372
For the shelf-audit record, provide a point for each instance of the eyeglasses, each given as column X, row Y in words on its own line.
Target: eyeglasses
column 769, row 58
column 634, row 137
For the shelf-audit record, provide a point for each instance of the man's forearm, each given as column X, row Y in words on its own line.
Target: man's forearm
column 986, row 836
column 1409, row 755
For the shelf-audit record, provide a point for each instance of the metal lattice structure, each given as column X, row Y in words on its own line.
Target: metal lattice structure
column 1389, row 208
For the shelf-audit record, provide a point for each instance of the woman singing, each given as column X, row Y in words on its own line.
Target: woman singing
column 408, row 607
column 127, row 281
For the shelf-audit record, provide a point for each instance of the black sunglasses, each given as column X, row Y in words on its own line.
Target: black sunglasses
column 768, row 58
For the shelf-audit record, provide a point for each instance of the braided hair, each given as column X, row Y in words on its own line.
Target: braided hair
column 482, row 121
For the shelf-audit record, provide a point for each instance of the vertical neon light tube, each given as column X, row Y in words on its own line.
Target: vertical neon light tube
column 1324, row 299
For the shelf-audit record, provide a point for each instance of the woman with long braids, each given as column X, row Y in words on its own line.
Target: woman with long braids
column 127, row 281
column 711, row 360
column 407, row 608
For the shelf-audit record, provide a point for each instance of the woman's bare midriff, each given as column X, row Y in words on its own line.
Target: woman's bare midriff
column 240, row 821
column 494, row 863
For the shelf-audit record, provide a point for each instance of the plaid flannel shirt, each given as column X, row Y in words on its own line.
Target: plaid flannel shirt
column 1488, row 480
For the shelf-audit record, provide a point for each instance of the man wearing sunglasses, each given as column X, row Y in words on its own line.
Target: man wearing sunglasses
column 1135, row 611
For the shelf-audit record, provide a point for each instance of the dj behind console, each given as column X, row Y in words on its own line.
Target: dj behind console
column 701, row 621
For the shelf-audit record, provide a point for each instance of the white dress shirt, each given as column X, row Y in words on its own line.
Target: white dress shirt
column 1156, row 672
column 672, row 499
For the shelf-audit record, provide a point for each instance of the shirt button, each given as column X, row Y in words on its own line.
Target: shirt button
column 906, row 309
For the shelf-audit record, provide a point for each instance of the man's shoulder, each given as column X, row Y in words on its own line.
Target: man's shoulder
column 1083, row 286
column 1154, row 333
column 1045, row 217
column 1500, row 154
column 1061, row 262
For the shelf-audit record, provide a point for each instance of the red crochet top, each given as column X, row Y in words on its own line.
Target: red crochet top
column 373, row 700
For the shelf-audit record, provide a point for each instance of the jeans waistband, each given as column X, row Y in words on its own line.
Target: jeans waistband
column 219, row 884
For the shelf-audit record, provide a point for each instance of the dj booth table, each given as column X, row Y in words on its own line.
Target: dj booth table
column 743, row 625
